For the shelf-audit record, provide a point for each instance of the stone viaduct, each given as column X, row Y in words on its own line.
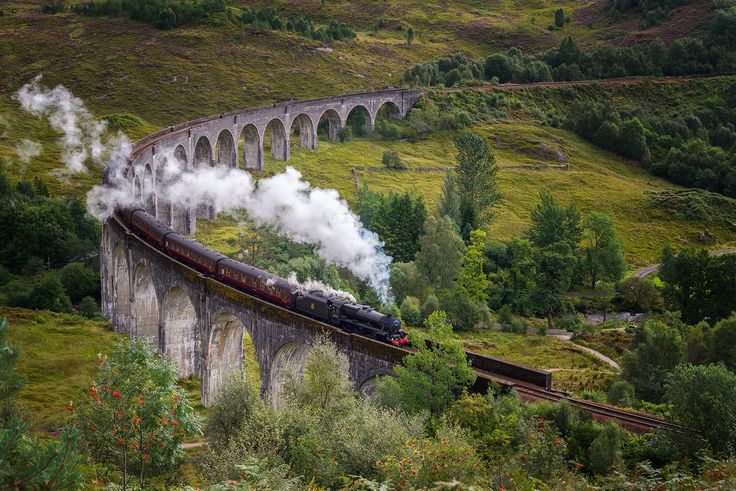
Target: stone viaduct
column 240, row 138
column 197, row 321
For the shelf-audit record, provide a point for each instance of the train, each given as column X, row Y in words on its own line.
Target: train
column 346, row 315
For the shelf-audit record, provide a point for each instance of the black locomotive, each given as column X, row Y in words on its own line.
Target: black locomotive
column 349, row 316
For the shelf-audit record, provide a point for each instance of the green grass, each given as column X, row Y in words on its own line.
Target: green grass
column 573, row 369
column 595, row 180
column 58, row 359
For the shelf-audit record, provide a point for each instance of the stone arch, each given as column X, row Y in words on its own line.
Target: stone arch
column 359, row 118
column 304, row 127
column 203, row 158
column 330, row 124
column 224, row 354
column 180, row 215
column 203, row 152
column 149, row 190
column 387, row 110
column 145, row 306
column 120, row 289
column 276, row 137
column 225, row 149
column 288, row 362
column 251, row 147
column 369, row 385
column 179, row 326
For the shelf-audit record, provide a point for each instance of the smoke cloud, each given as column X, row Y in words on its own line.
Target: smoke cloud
column 27, row 150
column 81, row 133
column 287, row 201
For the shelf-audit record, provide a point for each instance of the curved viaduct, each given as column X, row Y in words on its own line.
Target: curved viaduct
column 198, row 322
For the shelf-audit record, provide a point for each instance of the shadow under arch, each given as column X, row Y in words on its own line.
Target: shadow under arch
column 288, row 362
column 145, row 306
column 230, row 353
column 179, row 323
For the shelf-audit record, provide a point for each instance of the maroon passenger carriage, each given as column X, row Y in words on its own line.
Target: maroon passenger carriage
column 348, row 316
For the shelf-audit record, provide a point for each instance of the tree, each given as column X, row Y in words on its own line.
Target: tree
column 473, row 281
column 440, row 253
column 632, row 140
column 136, row 415
column 434, row 376
column 560, row 18
column 659, row 349
column 476, row 173
column 410, row 311
column 26, row 462
column 88, row 307
column 499, row 66
column 555, row 264
column 602, row 250
column 80, row 281
column 703, row 398
column 450, row 201
column 639, row 294
column 723, row 342
column 689, row 284
column 410, row 35
column 552, row 223
column 48, row 293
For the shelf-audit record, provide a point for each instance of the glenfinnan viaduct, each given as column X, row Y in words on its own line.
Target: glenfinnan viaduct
column 195, row 320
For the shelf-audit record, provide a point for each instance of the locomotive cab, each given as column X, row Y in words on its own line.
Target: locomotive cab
column 396, row 336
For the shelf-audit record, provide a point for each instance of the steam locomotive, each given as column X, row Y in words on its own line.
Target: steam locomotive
column 348, row 316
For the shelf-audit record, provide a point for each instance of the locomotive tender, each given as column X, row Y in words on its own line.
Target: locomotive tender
column 349, row 316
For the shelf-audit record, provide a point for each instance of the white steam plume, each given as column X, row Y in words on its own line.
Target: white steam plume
column 81, row 132
column 287, row 201
column 27, row 150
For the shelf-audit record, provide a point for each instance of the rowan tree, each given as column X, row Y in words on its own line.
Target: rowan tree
column 135, row 415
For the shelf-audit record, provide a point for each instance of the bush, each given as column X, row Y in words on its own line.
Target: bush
column 639, row 294
column 621, row 393
column 54, row 7
column 236, row 402
column 80, row 281
column 449, row 457
column 392, row 160
column 430, row 305
column 88, row 307
column 605, row 453
column 505, row 316
column 346, row 134
column 410, row 311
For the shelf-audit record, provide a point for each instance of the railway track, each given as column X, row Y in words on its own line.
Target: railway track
column 634, row 421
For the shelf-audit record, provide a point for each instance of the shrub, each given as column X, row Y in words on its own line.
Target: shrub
column 430, row 305
column 80, row 281
column 605, row 452
column 621, row 393
column 410, row 311
column 392, row 160
column 450, row 456
column 54, row 7
column 88, row 307
column 346, row 133
column 236, row 402
column 505, row 316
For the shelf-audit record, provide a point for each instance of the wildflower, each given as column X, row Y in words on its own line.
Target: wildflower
column 92, row 391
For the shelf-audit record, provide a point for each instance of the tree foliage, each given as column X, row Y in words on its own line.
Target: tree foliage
column 435, row 375
column 476, row 174
column 135, row 416
column 602, row 249
column 473, row 281
column 440, row 253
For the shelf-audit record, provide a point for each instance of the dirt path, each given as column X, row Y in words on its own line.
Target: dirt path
column 651, row 269
column 600, row 356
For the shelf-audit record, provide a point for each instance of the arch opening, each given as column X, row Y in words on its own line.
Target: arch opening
column 250, row 148
column 302, row 132
column 149, row 191
column 179, row 324
column 276, row 140
column 145, row 306
column 163, row 206
column 329, row 125
column 137, row 189
column 180, row 215
column 121, row 290
column 225, row 149
column 288, row 363
column 359, row 121
column 230, row 352
column 203, row 157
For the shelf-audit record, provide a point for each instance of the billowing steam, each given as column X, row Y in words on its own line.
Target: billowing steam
column 82, row 133
column 27, row 150
column 287, row 201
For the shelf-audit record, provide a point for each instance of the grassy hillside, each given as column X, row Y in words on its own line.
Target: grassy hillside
column 593, row 180
column 58, row 360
